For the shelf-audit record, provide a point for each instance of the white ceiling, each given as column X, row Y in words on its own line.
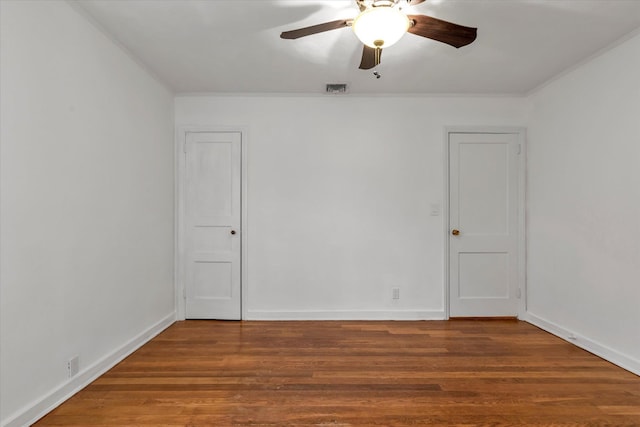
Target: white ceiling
column 233, row 46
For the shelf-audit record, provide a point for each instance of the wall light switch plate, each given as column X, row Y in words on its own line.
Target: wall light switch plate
column 435, row 209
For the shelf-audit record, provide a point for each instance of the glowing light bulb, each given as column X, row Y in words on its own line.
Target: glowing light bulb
column 380, row 26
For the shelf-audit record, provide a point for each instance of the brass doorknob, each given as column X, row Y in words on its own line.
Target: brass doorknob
column 455, row 232
column 233, row 231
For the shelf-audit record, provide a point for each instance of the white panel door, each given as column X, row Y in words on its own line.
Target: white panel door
column 212, row 225
column 483, row 224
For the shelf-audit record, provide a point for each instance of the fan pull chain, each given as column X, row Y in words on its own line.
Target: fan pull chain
column 378, row 53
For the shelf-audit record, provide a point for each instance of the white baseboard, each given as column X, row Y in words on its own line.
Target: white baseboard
column 345, row 315
column 601, row 350
column 39, row 408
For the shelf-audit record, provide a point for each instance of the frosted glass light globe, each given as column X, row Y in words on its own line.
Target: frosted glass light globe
column 380, row 26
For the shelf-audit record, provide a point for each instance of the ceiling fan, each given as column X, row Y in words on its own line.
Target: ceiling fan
column 381, row 23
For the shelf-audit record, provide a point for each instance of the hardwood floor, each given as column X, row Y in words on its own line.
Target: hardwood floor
column 465, row 373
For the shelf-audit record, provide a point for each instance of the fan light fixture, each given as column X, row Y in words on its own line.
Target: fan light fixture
column 381, row 26
column 381, row 23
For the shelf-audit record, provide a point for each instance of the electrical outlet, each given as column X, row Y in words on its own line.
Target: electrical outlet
column 73, row 366
column 396, row 293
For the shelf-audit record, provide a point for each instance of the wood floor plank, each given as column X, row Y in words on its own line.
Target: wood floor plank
column 460, row 373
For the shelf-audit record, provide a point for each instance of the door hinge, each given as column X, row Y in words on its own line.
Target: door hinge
column 184, row 147
column 184, row 292
column 519, row 149
column 518, row 293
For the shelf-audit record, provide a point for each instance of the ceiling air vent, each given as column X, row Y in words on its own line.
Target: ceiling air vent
column 337, row 88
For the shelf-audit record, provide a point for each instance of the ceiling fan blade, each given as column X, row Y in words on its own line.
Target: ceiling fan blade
column 315, row 29
column 370, row 57
column 442, row 31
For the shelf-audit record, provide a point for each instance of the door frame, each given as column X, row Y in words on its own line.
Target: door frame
column 179, row 229
column 521, row 232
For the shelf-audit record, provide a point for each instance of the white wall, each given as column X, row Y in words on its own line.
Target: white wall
column 339, row 193
column 87, row 203
column 584, row 205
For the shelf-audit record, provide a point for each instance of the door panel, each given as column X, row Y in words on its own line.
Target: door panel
column 483, row 191
column 212, row 168
column 483, row 275
column 212, row 219
column 212, row 278
column 483, row 208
